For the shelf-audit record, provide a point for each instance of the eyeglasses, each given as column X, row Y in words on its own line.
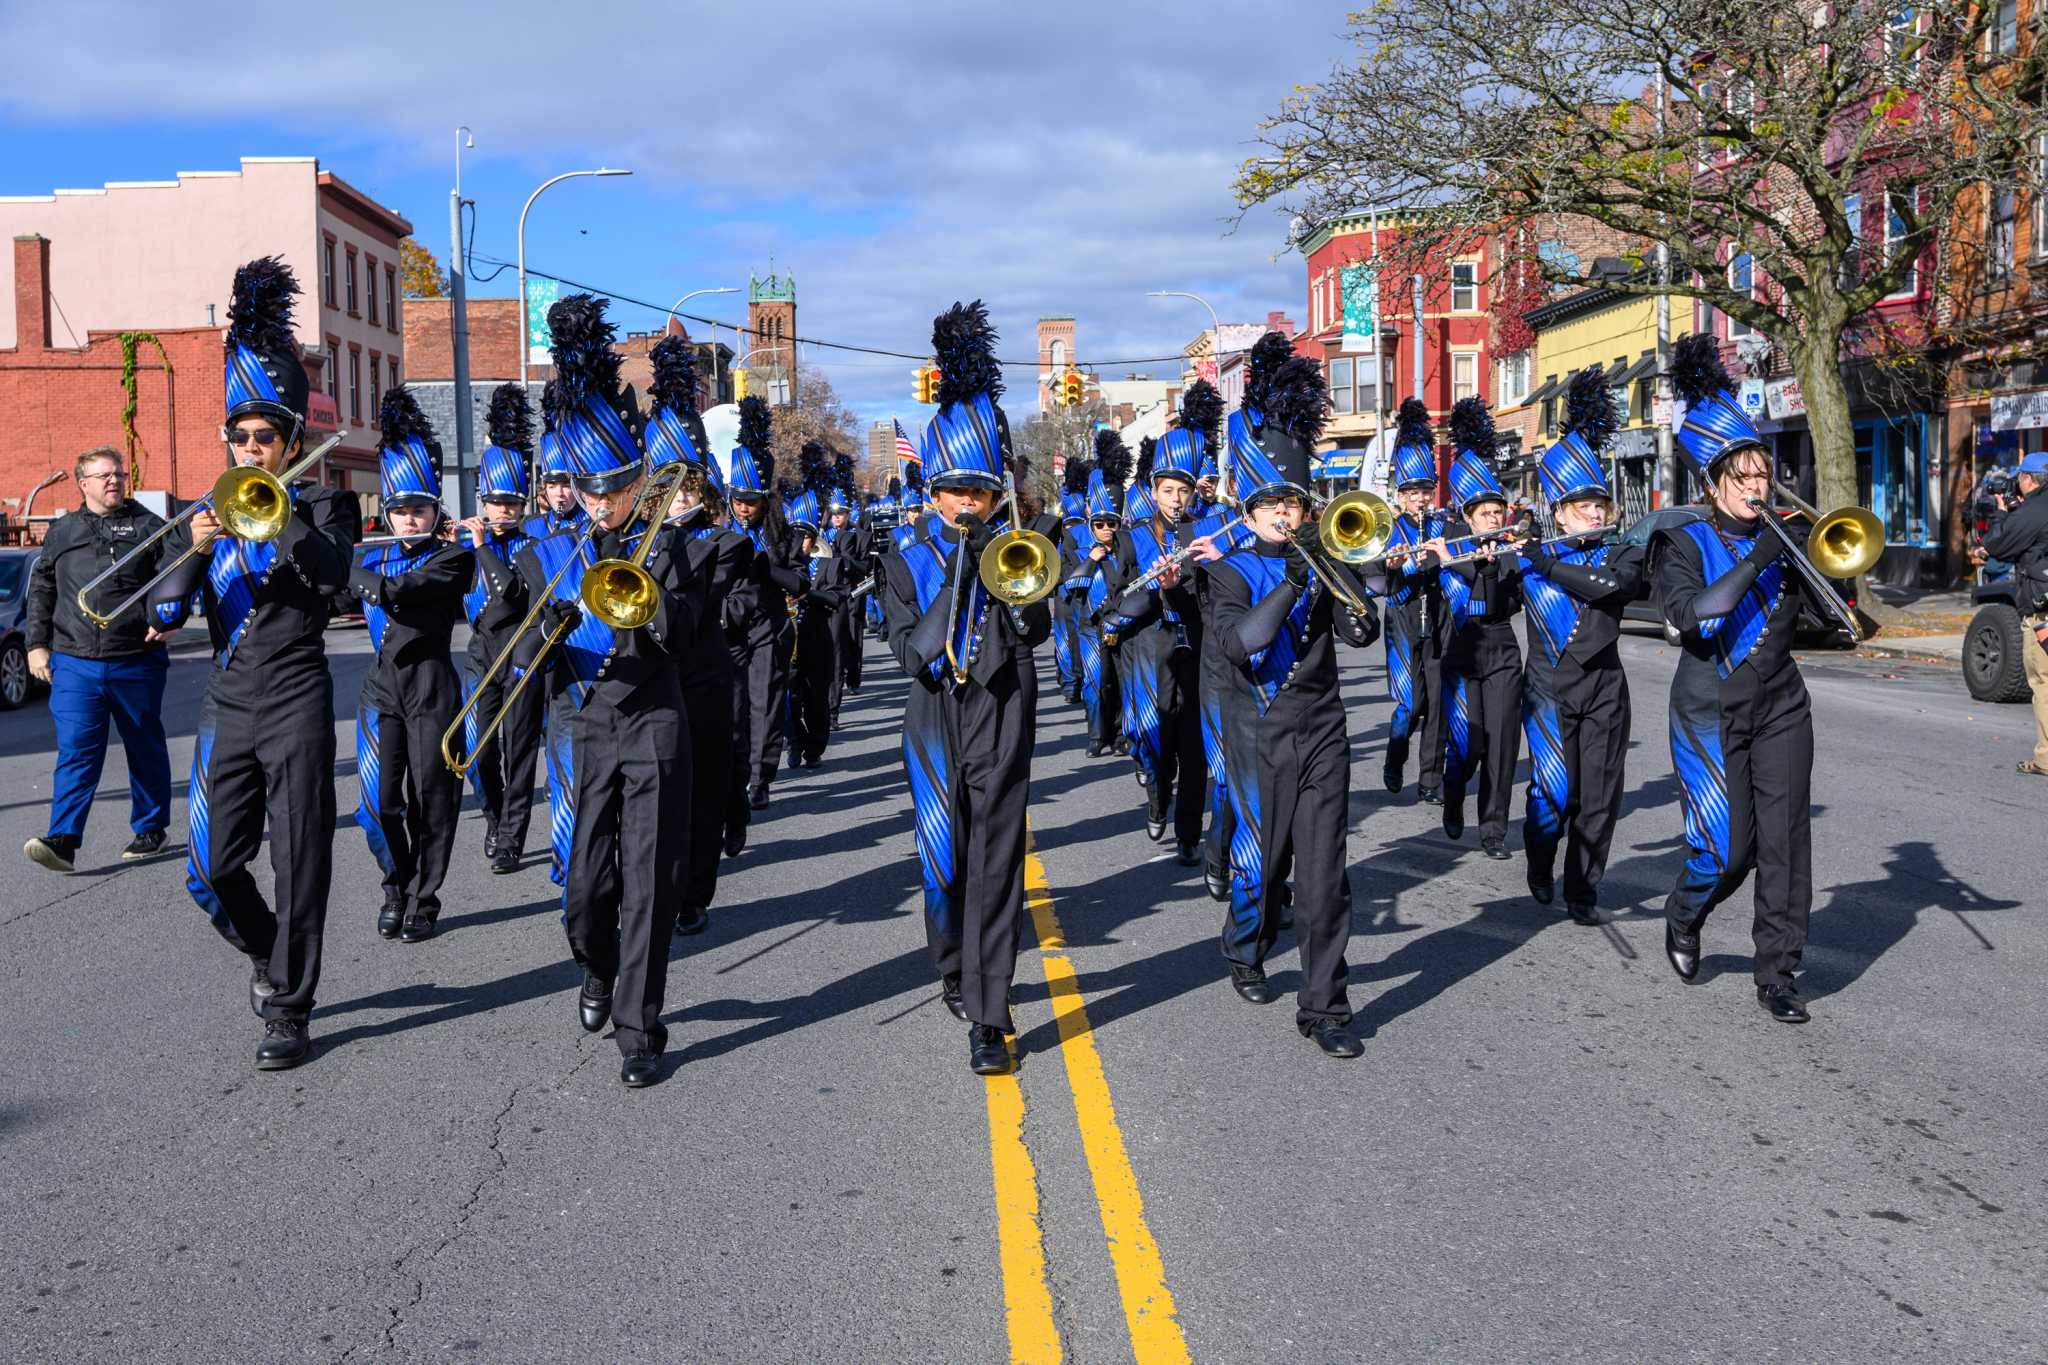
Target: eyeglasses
column 110, row 476
column 262, row 436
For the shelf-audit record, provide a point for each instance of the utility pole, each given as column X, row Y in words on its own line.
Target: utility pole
column 1415, row 355
column 1667, row 466
column 458, row 340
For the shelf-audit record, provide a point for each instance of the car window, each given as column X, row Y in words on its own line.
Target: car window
column 13, row 573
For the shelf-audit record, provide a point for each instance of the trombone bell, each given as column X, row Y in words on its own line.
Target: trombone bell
column 251, row 503
column 1016, row 568
column 1846, row 542
column 1356, row 526
column 620, row 593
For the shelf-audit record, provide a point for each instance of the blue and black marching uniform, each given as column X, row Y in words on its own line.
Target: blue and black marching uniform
column 814, row 650
column 1085, row 580
column 1415, row 617
column 757, row 611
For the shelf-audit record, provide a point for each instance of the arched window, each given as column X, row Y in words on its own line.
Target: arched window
column 1057, row 354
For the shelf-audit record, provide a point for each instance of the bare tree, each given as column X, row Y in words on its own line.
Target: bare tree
column 1062, row 433
column 1821, row 148
column 816, row 415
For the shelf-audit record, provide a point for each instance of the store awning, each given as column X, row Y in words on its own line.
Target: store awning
column 1647, row 364
column 1543, row 391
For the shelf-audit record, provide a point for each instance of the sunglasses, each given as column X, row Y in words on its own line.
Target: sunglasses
column 262, row 436
column 1107, row 524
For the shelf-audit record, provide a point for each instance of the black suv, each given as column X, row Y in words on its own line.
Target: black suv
column 16, row 686
column 1645, row 608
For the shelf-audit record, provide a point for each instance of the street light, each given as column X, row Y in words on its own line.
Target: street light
column 1215, row 354
column 677, row 306
column 458, row 335
column 565, row 175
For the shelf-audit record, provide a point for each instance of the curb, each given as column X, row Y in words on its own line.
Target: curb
column 1905, row 650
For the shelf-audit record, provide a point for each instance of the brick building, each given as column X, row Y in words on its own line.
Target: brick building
column 1055, row 353
column 771, row 331
column 161, row 255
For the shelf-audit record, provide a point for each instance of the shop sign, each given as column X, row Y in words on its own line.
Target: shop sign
column 2019, row 411
column 1782, row 399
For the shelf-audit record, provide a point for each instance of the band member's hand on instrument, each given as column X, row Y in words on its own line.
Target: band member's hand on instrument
column 1297, row 570
column 974, row 532
column 560, row 615
column 1098, row 553
column 1434, row 546
column 1169, row 576
column 205, row 526
column 473, row 525
column 1205, row 549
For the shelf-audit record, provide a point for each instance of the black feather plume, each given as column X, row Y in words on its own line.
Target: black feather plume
column 1268, row 354
column 963, row 344
column 550, row 405
column 913, row 478
column 842, row 473
column 814, row 471
column 509, row 419
column 1696, row 368
column 1412, row 426
column 1589, row 407
column 895, row 487
column 1076, row 477
column 1201, row 411
column 1297, row 398
column 1113, row 458
column 1472, row 428
column 1148, row 449
column 260, row 307
column 758, row 436
column 674, row 385
column 400, row 417
column 586, row 363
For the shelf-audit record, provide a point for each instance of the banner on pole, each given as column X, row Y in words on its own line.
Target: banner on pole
column 1358, row 283
column 540, row 296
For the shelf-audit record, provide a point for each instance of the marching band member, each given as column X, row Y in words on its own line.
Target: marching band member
column 266, row 729
column 912, row 501
column 1085, row 583
column 1283, row 721
column 559, row 509
column 814, row 657
column 758, row 623
column 629, row 745
column 503, row 775
column 721, row 558
column 967, row 742
column 1415, row 609
column 1159, row 631
column 849, row 547
column 412, row 595
column 1482, row 664
column 1741, row 722
column 1072, row 533
column 1575, row 712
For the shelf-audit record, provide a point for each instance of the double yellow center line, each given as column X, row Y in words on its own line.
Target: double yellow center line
column 1140, row 1276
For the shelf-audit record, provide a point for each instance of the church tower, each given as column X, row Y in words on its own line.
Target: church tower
column 771, row 324
column 1055, row 354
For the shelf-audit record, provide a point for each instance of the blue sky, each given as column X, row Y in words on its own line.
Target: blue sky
column 892, row 157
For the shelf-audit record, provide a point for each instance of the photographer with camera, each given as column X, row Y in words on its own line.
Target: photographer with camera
column 2020, row 537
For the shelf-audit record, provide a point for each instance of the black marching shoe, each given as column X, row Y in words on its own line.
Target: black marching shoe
column 1682, row 950
column 260, row 987
column 694, row 919
column 735, row 840
column 758, row 797
column 1251, row 983
column 986, row 1053
column 1784, row 1004
column 1454, row 819
column 1155, row 813
column 1218, row 882
column 640, row 1069
column 284, row 1045
column 949, row 991
column 1188, row 855
column 144, row 846
column 490, row 845
column 1586, row 914
column 419, row 926
column 1430, row 796
column 1494, row 848
column 1123, row 745
column 54, row 851
column 1542, row 892
column 390, row 919
column 1391, row 777
column 1096, row 749
column 1335, row 1039
column 594, row 1003
column 505, row 860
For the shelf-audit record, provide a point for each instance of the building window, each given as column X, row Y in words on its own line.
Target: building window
column 1895, row 204
column 1741, row 280
column 370, row 278
column 1464, row 287
column 1706, row 147
column 1852, row 261
column 327, row 272
column 1513, row 379
column 2003, row 34
column 354, row 308
column 1056, row 355
column 392, row 361
column 1340, row 385
column 355, row 385
column 2000, row 235
column 334, row 371
column 1891, row 478
column 1899, row 41
column 1550, row 414
column 1464, row 375
column 391, row 297
column 1646, row 388
column 1619, row 396
column 376, row 390
column 2040, row 189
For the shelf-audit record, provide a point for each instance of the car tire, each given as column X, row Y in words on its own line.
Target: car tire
column 1994, row 667
column 15, row 683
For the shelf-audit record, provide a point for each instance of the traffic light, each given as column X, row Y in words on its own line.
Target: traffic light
column 1071, row 389
column 920, row 387
column 739, row 385
column 927, row 383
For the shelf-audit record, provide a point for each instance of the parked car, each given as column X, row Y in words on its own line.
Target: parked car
column 1645, row 608
column 16, row 686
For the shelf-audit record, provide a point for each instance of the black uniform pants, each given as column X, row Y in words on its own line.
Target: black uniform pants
column 1743, row 750
column 969, row 753
column 762, row 663
column 1482, row 682
column 846, row 625
column 265, row 756
column 1576, row 721
column 1168, row 678
column 504, row 773
column 1415, row 677
column 813, row 676
column 410, row 800
column 626, row 856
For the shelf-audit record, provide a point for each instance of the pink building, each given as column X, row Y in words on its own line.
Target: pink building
column 161, row 254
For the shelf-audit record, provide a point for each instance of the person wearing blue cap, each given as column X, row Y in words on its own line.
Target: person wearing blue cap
column 2020, row 537
column 758, row 618
column 1482, row 664
column 265, row 747
column 618, row 700
column 1741, row 722
column 721, row 557
column 1159, row 630
column 411, row 594
column 494, row 605
column 1575, row 708
column 1277, row 620
column 1415, row 613
column 558, row 509
column 1084, row 583
column 971, row 714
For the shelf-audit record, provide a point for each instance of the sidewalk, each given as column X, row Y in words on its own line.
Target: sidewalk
column 1936, row 648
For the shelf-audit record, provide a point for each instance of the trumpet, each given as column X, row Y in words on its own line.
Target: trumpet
column 252, row 503
column 1843, row 543
column 619, row 592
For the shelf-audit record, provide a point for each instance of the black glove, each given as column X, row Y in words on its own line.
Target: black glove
column 1769, row 545
column 1297, row 571
column 560, row 615
column 974, row 532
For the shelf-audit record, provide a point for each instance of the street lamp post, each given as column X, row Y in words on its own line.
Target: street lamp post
column 565, row 175
column 458, row 338
column 1215, row 356
column 677, row 307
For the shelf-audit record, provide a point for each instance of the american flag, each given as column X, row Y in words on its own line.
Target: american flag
column 906, row 453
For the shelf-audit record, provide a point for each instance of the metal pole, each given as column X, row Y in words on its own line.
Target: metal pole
column 458, row 340
column 565, row 175
column 1667, row 464
column 1379, row 371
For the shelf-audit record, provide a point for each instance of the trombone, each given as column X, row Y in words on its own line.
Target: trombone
column 1843, row 543
column 619, row 592
column 251, row 503
column 1356, row 527
column 1016, row 569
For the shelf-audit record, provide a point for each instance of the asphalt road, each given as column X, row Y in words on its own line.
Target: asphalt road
column 1551, row 1149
